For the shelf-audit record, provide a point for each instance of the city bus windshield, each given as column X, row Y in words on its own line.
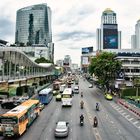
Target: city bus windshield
column 66, row 96
column 8, row 120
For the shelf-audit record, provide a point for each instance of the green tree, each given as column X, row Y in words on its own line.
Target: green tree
column 42, row 60
column 105, row 66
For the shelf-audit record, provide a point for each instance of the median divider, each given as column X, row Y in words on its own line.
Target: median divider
column 130, row 107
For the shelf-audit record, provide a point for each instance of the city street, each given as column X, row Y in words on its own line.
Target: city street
column 115, row 123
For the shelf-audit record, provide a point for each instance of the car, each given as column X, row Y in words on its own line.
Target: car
column 108, row 96
column 55, row 92
column 58, row 97
column 90, row 86
column 41, row 106
column 76, row 89
column 62, row 129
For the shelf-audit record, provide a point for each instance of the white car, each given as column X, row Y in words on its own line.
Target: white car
column 90, row 86
column 62, row 129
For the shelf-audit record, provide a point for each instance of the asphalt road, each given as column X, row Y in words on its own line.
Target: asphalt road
column 115, row 123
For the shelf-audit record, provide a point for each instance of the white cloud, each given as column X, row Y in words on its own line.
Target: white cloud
column 71, row 16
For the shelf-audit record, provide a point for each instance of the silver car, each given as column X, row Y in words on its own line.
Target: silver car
column 62, row 129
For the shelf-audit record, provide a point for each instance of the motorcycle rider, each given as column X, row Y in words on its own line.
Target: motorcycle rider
column 82, row 103
column 81, row 118
column 95, row 122
column 97, row 106
column 81, row 94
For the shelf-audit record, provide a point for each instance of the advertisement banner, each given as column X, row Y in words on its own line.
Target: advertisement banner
column 87, row 50
column 110, row 36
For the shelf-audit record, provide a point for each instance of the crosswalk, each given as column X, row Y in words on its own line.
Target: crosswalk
column 126, row 115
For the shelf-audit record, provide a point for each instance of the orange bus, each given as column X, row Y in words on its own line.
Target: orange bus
column 16, row 121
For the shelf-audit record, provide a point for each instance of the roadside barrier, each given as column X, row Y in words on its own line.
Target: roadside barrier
column 129, row 107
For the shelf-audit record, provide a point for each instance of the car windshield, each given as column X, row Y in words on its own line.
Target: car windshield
column 61, row 127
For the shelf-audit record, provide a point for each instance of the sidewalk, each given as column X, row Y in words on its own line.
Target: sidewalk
column 129, row 106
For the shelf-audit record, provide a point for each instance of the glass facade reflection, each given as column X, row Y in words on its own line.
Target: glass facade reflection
column 33, row 25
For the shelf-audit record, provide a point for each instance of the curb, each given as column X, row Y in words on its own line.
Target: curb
column 129, row 107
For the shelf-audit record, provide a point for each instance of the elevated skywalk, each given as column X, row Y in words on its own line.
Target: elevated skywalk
column 15, row 65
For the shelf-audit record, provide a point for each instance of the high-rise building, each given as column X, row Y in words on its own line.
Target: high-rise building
column 135, row 39
column 133, row 42
column 108, row 36
column 33, row 25
column 67, row 61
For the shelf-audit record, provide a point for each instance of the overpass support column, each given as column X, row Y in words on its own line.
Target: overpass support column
column 10, row 67
column 15, row 66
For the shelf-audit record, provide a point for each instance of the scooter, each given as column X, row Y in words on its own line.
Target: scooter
column 82, row 106
column 81, row 122
column 97, row 108
column 95, row 124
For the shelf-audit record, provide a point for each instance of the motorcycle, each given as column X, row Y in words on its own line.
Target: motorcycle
column 97, row 108
column 81, row 122
column 95, row 123
column 82, row 105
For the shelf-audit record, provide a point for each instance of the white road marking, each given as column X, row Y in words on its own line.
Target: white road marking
column 130, row 119
column 127, row 116
column 121, row 111
column 135, row 122
column 118, row 108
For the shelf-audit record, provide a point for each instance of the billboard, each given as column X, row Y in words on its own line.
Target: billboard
column 87, row 50
column 85, row 60
column 110, row 36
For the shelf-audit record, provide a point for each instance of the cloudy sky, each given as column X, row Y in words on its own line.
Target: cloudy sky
column 74, row 22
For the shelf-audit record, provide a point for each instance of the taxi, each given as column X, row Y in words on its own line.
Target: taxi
column 58, row 97
column 108, row 96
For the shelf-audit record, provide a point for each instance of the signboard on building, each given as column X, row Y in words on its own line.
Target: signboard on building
column 87, row 50
column 110, row 36
column 85, row 60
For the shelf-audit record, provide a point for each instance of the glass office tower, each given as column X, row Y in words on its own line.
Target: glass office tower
column 33, row 25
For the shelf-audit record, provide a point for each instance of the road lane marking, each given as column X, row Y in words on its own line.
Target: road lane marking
column 130, row 119
column 118, row 108
column 127, row 116
column 121, row 111
column 135, row 122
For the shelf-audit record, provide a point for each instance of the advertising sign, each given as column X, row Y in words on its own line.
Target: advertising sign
column 85, row 60
column 110, row 36
column 87, row 50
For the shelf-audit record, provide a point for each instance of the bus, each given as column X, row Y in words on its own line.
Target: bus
column 16, row 121
column 67, row 97
column 45, row 95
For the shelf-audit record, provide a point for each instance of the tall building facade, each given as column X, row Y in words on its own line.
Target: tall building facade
column 135, row 39
column 133, row 42
column 67, row 61
column 33, row 25
column 108, row 36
